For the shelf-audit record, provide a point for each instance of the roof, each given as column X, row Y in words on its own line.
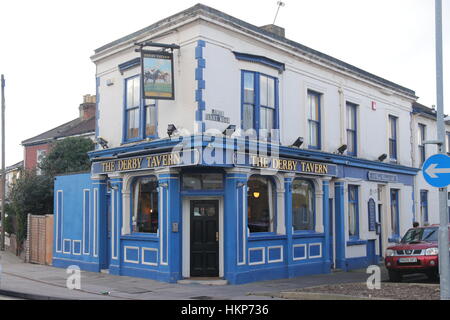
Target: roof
column 71, row 128
column 216, row 15
column 424, row 110
column 14, row 166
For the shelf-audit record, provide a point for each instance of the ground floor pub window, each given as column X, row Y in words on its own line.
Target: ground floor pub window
column 145, row 205
column 261, row 204
column 303, row 205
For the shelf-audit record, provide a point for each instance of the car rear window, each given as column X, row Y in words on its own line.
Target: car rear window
column 421, row 234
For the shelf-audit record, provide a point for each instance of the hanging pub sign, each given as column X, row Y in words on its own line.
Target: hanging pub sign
column 157, row 75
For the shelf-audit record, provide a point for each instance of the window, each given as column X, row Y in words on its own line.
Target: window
column 303, row 205
column 261, row 204
column 40, row 154
column 137, row 117
column 352, row 146
column 424, row 206
column 314, row 119
column 353, row 212
column 395, row 227
column 132, row 107
column 145, row 205
column 393, row 138
column 420, row 139
column 448, row 142
column 202, row 181
column 259, row 101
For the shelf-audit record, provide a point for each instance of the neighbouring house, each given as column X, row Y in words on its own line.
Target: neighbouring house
column 269, row 160
column 83, row 126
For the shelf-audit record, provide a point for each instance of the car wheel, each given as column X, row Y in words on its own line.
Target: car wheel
column 395, row 276
column 432, row 275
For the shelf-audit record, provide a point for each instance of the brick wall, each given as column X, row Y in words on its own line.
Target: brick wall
column 31, row 155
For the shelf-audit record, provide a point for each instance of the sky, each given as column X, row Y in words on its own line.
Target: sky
column 46, row 45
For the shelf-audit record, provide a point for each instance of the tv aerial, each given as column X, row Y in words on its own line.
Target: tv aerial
column 279, row 5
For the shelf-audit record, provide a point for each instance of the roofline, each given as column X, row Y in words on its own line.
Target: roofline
column 314, row 54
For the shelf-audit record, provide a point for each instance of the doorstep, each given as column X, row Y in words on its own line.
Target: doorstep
column 204, row 281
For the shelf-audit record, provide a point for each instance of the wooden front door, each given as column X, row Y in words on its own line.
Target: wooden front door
column 204, row 238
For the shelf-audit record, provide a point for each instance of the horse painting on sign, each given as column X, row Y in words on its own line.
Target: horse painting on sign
column 157, row 75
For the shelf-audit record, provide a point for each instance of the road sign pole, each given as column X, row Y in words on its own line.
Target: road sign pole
column 444, row 267
column 3, row 178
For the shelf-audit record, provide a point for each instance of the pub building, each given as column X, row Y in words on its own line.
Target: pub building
column 225, row 150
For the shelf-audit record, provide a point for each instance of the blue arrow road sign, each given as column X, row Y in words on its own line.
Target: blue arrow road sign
column 436, row 170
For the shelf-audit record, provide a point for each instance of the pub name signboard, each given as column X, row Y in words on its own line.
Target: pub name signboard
column 286, row 165
column 170, row 159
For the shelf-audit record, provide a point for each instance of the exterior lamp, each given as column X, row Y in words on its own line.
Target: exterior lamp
column 382, row 157
column 229, row 130
column 171, row 129
column 256, row 195
column 298, row 142
column 342, row 149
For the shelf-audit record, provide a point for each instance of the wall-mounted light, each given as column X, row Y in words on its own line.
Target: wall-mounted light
column 342, row 149
column 382, row 157
column 110, row 186
column 229, row 130
column 102, row 142
column 298, row 142
column 171, row 129
column 256, row 195
column 164, row 184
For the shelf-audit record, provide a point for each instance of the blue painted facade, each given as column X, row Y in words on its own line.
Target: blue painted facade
column 83, row 237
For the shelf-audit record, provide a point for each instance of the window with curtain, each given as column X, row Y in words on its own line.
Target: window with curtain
column 352, row 145
column 313, row 109
column 145, row 205
column 395, row 227
column 303, row 205
column 393, row 138
column 132, row 104
column 261, row 204
column 353, row 212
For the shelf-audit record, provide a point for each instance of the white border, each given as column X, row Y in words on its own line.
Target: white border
column 125, row 254
column 64, row 246
column 309, row 250
column 95, row 248
column 86, row 245
column 263, row 261
column 113, row 224
column 155, row 264
column 58, row 218
column 299, row 258
column 281, row 254
column 73, row 247
column 244, row 227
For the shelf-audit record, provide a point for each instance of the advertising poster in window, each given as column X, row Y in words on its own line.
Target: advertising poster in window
column 157, row 71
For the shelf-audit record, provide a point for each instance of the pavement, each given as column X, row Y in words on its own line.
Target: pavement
column 31, row 281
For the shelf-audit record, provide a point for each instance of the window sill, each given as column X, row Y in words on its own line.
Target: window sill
column 356, row 242
column 141, row 236
column 394, row 239
column 265, row 236
column 307, row 234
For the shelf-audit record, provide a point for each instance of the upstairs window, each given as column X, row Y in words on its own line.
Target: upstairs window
column 352, row 146
column 393, row 138
column 259, row 102
column 313, row 109
column 140, row 116
column 132, row 104
column 421, row 136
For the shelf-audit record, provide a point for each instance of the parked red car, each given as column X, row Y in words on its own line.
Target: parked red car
column 416, row 253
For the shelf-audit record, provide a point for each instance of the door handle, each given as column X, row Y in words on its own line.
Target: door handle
column 217, row 236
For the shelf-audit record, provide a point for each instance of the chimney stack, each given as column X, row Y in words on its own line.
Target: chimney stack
column 279, row 31
column 87, row 108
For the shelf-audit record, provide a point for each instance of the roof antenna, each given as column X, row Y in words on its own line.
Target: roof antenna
column 280, row 4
